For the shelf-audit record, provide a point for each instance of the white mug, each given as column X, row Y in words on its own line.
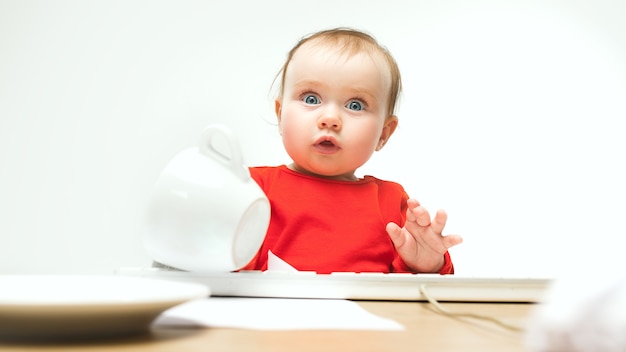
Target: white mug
column 206, row 212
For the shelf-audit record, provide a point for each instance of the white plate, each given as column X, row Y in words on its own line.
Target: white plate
column 81, row 306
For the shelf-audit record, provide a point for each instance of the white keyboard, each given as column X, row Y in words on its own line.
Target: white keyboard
column 357, row 286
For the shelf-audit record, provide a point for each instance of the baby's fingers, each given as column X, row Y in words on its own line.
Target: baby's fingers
column 452, row 240
column 439, row 222
column 420, row 216
column 396, row 235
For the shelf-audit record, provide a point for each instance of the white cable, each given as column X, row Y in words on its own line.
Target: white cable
column 445, row 311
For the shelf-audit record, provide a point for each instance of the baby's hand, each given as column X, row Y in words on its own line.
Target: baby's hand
column 420, row 242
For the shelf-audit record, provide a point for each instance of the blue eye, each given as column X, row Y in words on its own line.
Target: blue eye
column 311, row 100
column 355, row 105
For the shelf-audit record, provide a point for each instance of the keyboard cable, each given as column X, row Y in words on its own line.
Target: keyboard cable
column 441, row 309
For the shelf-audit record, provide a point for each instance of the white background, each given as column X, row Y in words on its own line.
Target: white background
column 511, row 119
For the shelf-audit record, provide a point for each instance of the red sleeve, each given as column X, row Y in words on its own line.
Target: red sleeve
column 447, row 267
column 398, row 265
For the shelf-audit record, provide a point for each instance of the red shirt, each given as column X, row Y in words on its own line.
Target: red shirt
column 329, row 226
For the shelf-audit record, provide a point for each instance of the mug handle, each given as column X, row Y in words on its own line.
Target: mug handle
column 235, row 160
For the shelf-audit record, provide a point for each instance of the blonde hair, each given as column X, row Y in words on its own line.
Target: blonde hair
column 351, row 41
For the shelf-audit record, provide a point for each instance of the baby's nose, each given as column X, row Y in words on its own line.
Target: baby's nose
column 329, row 119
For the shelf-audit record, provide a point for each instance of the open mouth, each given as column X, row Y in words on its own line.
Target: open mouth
column 326, row 145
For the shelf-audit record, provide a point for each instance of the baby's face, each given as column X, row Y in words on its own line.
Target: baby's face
column 332, row 114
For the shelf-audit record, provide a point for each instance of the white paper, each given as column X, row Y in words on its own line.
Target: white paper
column 274, row 314
column 275, row 263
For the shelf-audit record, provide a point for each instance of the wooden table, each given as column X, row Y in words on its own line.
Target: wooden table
column 426, row 330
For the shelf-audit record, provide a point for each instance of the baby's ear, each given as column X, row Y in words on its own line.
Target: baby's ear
column 389, row 127
column 277, row 108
